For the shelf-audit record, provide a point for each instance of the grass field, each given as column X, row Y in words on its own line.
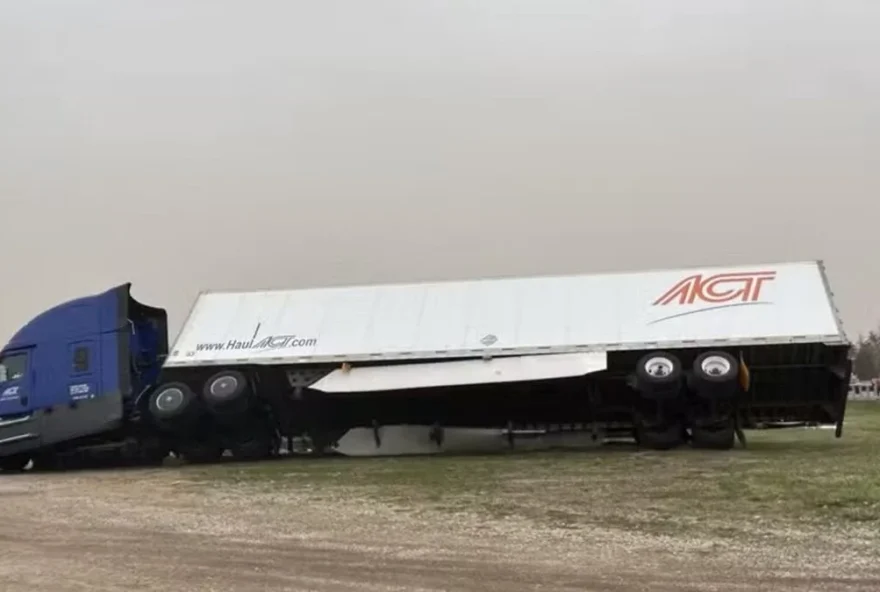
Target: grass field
column 786, row 480
column 798, row 511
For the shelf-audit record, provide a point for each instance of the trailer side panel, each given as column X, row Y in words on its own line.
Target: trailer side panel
column 757, row 304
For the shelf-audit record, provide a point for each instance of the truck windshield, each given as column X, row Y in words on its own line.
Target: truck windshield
column 12, row 367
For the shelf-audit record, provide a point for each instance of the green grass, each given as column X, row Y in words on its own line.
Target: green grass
column 793, row 477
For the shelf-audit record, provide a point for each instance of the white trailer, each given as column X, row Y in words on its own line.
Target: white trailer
column 672, row 356
column 753, row 305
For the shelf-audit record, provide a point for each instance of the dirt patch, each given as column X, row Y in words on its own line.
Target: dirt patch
column 161, row 531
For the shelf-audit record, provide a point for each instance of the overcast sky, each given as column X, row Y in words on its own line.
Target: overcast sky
column 184, row 145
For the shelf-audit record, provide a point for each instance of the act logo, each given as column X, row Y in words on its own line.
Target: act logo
column 718, row 288
column 722, row 290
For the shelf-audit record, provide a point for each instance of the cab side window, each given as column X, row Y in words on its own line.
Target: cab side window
column 12, row 367
column 80, row 360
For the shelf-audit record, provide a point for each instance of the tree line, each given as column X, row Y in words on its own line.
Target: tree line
column 866, row 364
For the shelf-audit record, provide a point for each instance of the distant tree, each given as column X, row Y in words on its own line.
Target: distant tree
column 867, row 361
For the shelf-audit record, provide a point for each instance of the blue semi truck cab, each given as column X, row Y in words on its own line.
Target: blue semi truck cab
column 74, row 376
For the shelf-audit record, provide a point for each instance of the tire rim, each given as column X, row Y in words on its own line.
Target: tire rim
column 715, row 366
column 224, row 387
column 169, row 399
column 659, row 367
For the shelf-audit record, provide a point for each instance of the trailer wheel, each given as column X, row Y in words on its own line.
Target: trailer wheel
column 664, row 437
column 172, row 401
column 657, row 435
column 717, row 437
column 226, row 392
column 715, row 375
column 658, row 375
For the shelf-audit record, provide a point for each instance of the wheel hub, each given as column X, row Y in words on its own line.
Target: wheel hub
column 659, row 367
column 169, row 399
column 224, row 387
column 715, row 366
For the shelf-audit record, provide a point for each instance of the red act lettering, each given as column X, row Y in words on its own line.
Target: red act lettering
column 718, row 288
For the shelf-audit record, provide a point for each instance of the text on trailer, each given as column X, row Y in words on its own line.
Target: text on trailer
column 718, row 288
column 265, row 343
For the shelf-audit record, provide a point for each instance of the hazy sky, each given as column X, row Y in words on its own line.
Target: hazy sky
column 185, row 145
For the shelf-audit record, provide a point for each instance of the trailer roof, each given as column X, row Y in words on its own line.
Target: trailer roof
column 767, row 303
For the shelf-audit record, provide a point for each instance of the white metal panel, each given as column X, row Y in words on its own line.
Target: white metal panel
column 434, row 374
column 775, row 303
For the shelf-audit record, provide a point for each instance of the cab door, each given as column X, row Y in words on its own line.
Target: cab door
column 82, row 381
column 15, row 383
column 77, row 408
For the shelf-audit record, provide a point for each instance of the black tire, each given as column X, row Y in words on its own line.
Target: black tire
column 171, row 402
column 717, row 437
column 715, row 375
column 665, row 436
column 226, row 392
column 659, row 375
column 15, row 463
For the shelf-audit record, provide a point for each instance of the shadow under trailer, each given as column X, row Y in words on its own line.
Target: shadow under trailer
column 667, row 358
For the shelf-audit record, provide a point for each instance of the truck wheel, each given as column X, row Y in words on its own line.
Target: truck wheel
column 658, row 375
column 661, row 435
column 226, row 392
column 172, row 401
column 715, row 375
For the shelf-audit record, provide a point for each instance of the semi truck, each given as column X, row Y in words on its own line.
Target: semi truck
column 666, row 358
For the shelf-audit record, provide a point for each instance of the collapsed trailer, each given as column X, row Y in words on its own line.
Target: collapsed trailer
column 668, row 358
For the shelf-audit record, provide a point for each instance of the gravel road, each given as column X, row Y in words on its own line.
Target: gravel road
column 161, row 530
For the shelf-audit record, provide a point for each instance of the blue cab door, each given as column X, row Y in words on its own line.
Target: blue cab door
column 81, row 382
column 15, row 383
column 76, row 409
